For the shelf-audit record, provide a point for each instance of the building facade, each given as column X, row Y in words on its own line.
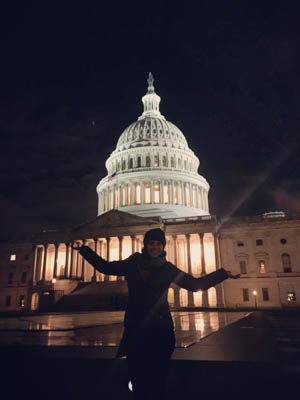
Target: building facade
column 152, row 181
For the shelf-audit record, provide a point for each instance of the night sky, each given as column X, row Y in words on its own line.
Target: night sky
column 72, row 77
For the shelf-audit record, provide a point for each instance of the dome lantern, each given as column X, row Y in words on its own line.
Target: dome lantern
column 151, row 101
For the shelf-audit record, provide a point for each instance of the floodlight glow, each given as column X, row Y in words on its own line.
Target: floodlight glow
column 130, row 386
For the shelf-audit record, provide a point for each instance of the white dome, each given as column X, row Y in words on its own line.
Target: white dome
column 152, row 171
column 151, row 131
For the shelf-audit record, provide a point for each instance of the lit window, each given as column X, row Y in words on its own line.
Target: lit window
column 245, row 294
column 175, row 194
column 239, row 243
column 110, row 200
column 123, row 196
column 259, row 242
column 147, row 193
column 265, row 294
column 156, row 193
column 166, row 193
column 291, row 296
column 22, row 301
column 13, row 257
column 128, row 194
column 243, row 269
column 262, row 266
column 286, row 262
column 156, row 161
column 116, row 196
column 138, row 193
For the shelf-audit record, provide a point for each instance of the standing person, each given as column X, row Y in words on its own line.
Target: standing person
column 148, row 340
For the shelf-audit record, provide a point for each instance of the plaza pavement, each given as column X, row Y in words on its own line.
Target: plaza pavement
column 241, row 359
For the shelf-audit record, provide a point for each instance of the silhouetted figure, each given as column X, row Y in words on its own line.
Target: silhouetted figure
column 148, row 340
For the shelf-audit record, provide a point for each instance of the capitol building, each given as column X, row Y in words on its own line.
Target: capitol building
column 153, row 181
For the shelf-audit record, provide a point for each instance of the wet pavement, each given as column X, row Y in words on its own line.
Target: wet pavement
column 103, row 328
column 218, row 354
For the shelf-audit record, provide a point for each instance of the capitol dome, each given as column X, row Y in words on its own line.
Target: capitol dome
column 152, row 171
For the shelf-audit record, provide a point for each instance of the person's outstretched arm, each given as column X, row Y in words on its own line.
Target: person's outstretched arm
column 118, row 268
column 205, row 282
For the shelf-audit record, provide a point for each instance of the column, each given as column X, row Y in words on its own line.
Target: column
column 119, row 278
column 219, row 288
column 67, row 260
column 183, row 193
column 72, row 262
column 45, row 262
column 132, row 194
column 175, row 249
column 133, row 244
column 142, row 185
column 190, row 294
column 172, row 193
column 94, row 277
column 106, row 277
column 161, row 192
column 203, row 270
column 55, row 260
column 152, row 192
column 83, row 263
column 190, row 188
column 34, row 267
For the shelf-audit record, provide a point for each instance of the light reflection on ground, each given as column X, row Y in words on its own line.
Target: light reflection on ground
column 103, row 328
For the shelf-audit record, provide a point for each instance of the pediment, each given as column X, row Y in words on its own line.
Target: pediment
column 116, row 222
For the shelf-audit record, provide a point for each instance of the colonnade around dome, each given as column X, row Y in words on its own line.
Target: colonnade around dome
column 196, row 254
column 157, row 158
column 153, row 191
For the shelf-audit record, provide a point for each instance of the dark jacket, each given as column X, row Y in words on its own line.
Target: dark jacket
column 148, row 298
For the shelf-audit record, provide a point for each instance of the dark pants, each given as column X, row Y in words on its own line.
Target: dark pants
column 148, row 364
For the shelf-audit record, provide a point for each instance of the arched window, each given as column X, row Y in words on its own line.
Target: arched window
column 179, row 163
column 185, row 164
column 148, row 161
column 286, row 262
column 130, row 163
column 137, row 193
column 165, row 161
column 139, row 162
column 243, row 268
column 118, row 166
column 123, row 165
column 262, row 266
column 156, row 161
column 172, row 162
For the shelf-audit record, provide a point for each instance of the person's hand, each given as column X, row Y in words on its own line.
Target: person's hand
column 75, row 247
column 232, row 276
